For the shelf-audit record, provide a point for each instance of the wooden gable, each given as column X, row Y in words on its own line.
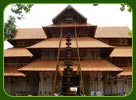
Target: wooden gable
column 69, row 15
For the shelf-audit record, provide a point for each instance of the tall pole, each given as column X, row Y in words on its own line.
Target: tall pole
column 79, row 67
column 57, row 64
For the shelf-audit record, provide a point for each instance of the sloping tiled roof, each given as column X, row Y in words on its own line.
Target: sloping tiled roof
column 89, row 65
column 12, row 71
column 30, row 33
column 127, row 71
column 40, row 65
column 17, row 52
column 122, row 51
column 69, row 25
column 112, row 32
column 85, row 42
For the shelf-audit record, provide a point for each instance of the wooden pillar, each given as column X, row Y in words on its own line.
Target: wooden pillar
column 100, row 83
column 129, row 84
column 96, row 83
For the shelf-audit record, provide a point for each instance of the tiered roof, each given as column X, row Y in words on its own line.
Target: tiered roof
column 113, row 32
column 12, row 71
column 88, row 65
column 127, row 71
column 30, row 33
column 83, row 42
column 17, row 52
column 69, row 25
column 69, row 18
column 122, row 51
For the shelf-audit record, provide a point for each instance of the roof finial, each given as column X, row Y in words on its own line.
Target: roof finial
column 69, row 6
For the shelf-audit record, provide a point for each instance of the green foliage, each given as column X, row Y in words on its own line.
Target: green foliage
column 10, row 28
column 95, row 4
column 130, row 33
column 124, row 7
column 20, row 9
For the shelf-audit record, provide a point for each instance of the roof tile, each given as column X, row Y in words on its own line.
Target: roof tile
column 112, row 32
column 17, row 52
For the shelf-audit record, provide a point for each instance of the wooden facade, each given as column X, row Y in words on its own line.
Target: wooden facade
column 106, row 59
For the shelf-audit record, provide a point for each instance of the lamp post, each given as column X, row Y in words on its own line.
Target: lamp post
column 69, row 78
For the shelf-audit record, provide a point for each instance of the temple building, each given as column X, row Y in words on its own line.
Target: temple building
column 105, row 57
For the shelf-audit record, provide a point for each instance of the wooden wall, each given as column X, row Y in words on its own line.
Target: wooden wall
column 94, row 82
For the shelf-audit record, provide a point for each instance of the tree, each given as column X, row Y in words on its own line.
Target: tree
column 122, row 8
column 10, row 28
column 20, row 9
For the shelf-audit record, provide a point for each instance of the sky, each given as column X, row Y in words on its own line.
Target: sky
column 101, row 15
